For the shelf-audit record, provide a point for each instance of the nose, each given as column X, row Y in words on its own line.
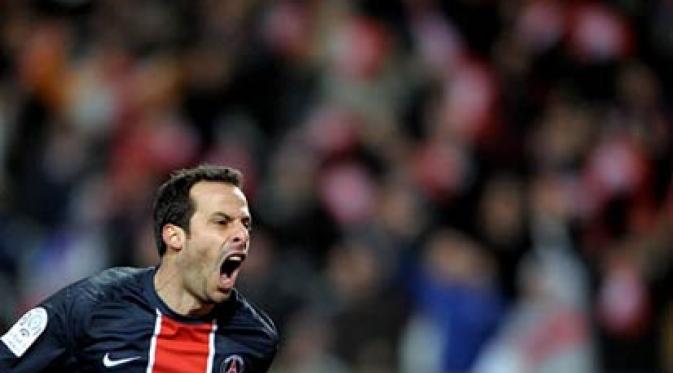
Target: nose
column 241, row 234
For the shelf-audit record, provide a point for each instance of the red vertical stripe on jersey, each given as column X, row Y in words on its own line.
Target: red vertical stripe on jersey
column 183, row 347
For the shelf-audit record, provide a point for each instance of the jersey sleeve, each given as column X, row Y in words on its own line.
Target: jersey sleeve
column 270, row 353
column 266, row 341
column 268, row 345
column 41, row 339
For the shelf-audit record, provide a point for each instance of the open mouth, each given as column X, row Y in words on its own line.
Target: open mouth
column 231, row 264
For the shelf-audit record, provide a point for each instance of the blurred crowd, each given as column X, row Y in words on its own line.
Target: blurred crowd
column 437, row 186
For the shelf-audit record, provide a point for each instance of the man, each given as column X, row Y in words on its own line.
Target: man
column 183, row 316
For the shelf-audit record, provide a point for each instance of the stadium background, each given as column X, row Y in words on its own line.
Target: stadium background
column 437, row 186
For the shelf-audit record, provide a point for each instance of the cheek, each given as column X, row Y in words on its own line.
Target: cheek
column 191, row 254
column 203, row 250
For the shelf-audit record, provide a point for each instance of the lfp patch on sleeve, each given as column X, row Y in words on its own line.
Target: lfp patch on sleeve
column 24, row 333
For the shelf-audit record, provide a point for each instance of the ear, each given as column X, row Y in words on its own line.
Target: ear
column 173, row 236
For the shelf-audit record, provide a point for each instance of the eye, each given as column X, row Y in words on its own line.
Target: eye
column 222, row 221
column 247, row 223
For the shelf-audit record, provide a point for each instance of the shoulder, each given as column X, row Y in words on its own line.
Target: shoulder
column 66, row 313
column 109, row 283
column 106, row 285
column 112, row 278
column 253, row 321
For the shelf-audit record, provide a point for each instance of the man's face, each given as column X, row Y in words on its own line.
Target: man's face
column 218, row 241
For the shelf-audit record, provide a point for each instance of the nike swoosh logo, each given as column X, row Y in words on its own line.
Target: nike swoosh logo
column 109, row 363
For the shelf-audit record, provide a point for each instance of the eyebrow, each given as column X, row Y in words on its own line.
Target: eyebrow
column 227, row 216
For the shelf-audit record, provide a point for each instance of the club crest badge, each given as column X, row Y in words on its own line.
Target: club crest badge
column 232, row 364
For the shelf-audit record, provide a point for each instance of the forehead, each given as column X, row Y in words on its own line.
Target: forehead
column 212, row 196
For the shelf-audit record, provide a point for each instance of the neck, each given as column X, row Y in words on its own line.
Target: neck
column 170, row 287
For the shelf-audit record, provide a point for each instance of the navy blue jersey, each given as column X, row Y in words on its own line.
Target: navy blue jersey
column 115, row 321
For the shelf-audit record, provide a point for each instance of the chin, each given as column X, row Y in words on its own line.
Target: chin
column 221, row 296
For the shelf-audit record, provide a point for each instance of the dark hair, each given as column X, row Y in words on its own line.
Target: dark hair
column 172, row 204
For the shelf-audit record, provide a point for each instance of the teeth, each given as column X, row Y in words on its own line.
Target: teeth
column 236, row 258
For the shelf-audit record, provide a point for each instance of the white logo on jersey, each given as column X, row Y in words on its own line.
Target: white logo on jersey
column 24, row 333
column 113, row 363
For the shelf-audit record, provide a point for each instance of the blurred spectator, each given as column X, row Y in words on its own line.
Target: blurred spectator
column 455, row 294
column 362, row 309
column 548, row 330
column 502, row 222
